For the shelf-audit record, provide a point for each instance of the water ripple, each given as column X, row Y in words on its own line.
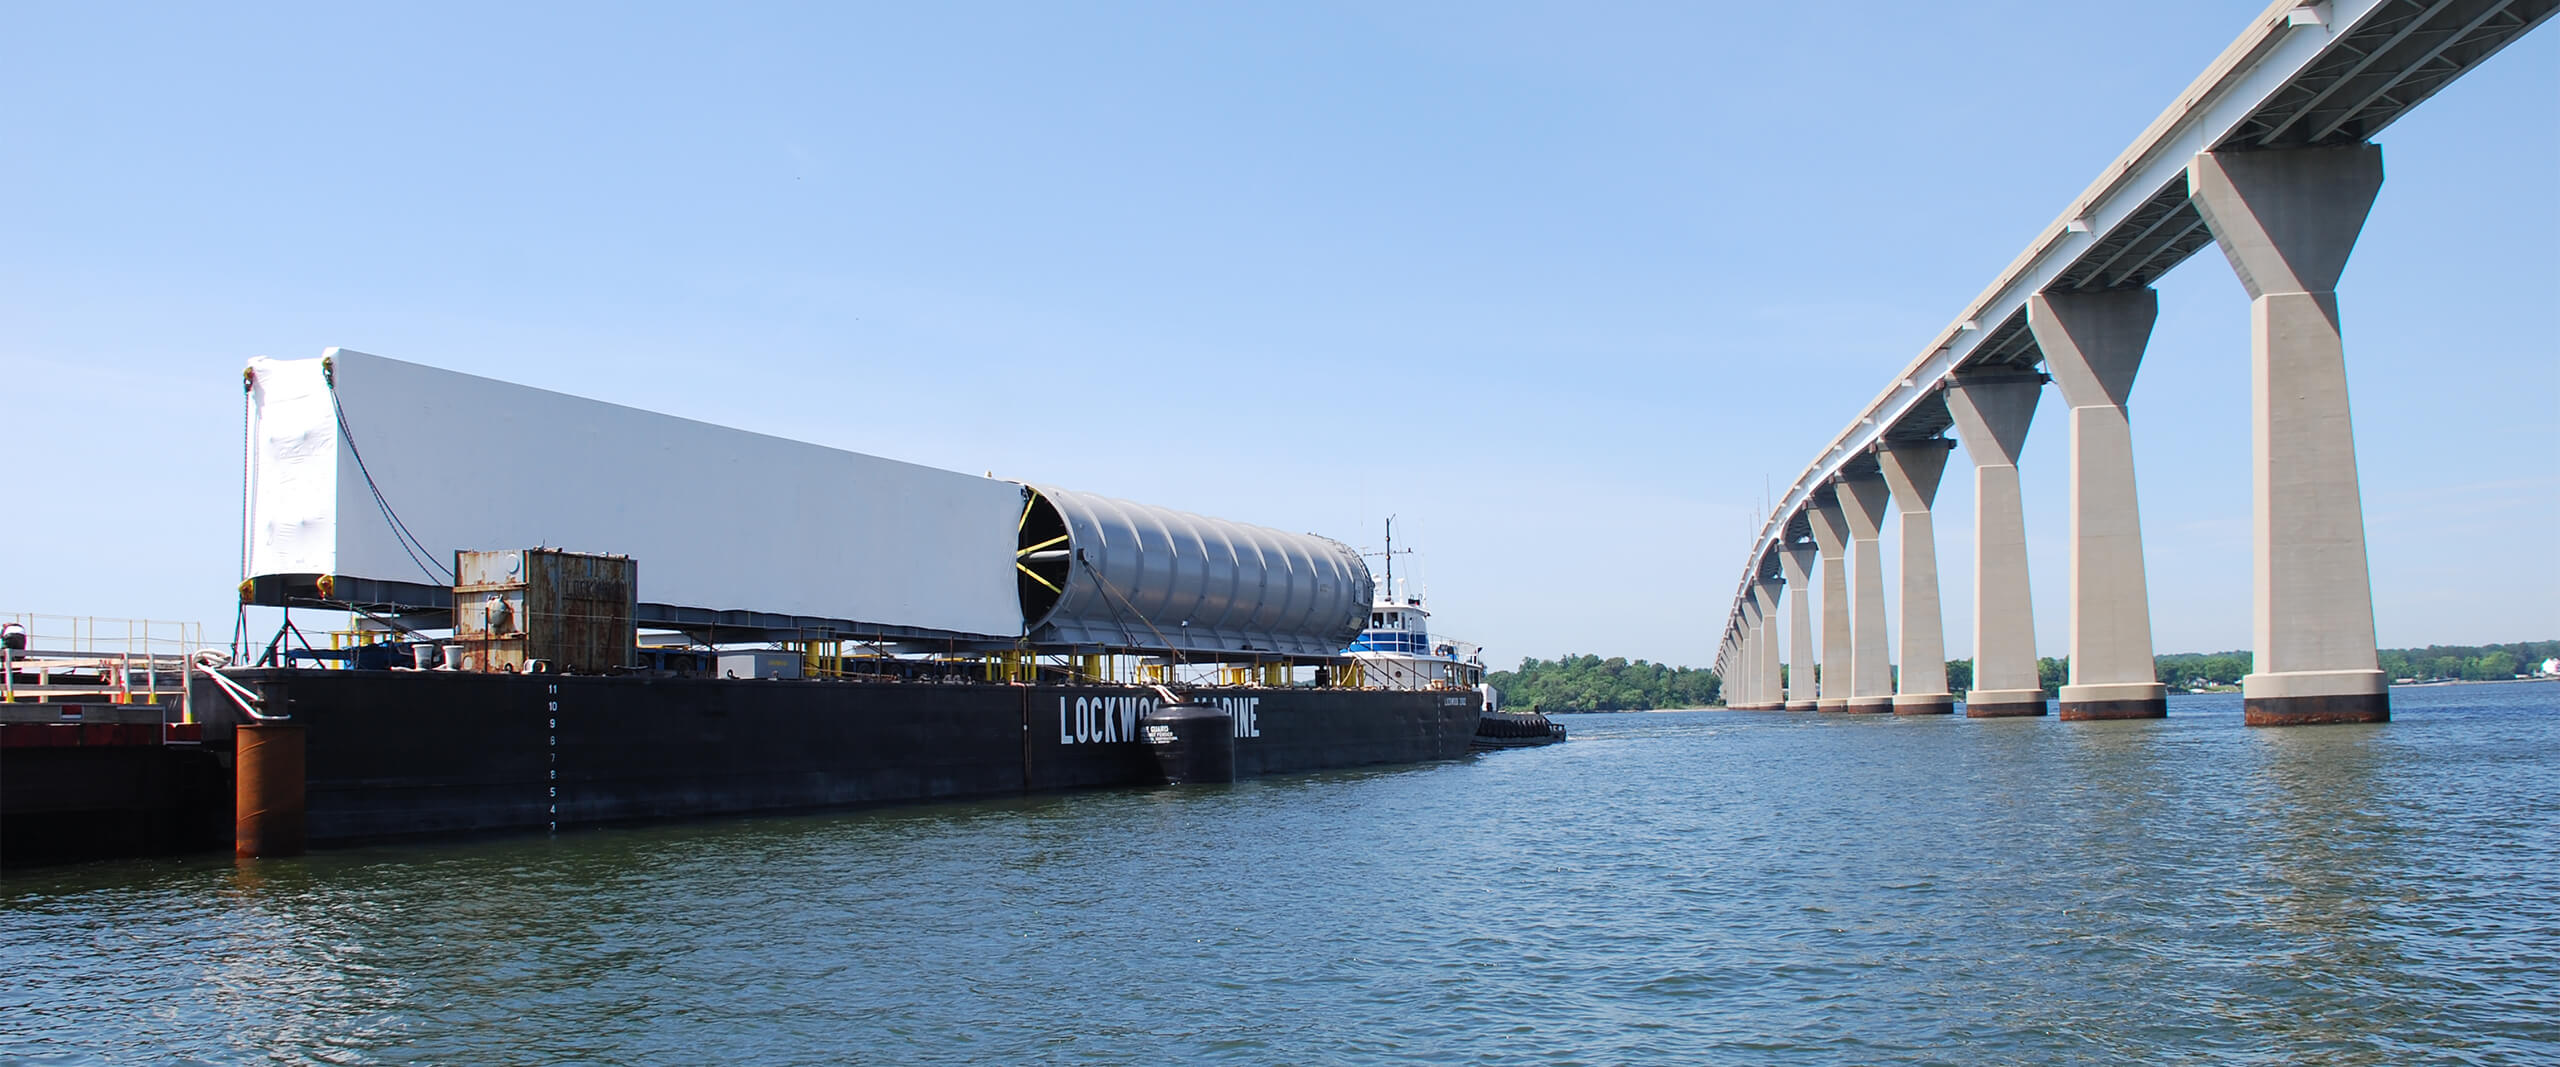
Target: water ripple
column 1692, row 887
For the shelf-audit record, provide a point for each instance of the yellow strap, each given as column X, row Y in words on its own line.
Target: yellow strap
column 1039, row 579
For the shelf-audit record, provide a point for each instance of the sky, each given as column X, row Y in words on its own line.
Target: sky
column 1569, row 291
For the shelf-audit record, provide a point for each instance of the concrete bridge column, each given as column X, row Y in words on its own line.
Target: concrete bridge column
column 1738, row 695
column 1761, row 683
column 1724, row 668
column 1991, row 415
column 1744, row 661
column 1772, row 671
column 2287, row 220
column 1738, row 669
column 1862, row 502
column 1749, row 656
column 2093, row 342
column 1737, row 689
column 1748, row 669
column 1761, row 636
column 1831, row 539
column 1798, row 561
column 1912, row 471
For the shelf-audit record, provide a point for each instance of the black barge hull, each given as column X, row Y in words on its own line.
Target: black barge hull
column 399, row 753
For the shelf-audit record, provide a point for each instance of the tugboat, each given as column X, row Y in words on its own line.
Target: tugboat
column 1397, row 651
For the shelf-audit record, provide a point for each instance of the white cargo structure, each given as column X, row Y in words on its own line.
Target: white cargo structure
column 733, row 529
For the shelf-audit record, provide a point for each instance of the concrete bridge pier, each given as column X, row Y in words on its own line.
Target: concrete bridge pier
column 2287, row 220
column 1762, row 625
column 1991, row 415
column 1798, row 560
column 1746, row 689
column 1862, row 502
column 1724, row 669
column 1758, row 652
column 1771, row 670
column 1912, row 471
column 1743, row 661
column 2093, row 342
column 1831, row 541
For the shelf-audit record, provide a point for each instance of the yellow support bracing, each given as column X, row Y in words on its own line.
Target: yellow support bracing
column 1043, row 581
column 1023, row 553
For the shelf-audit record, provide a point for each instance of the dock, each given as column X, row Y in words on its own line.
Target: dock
column 99, row 753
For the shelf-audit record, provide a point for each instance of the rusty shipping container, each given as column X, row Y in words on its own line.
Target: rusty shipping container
column 565, row 611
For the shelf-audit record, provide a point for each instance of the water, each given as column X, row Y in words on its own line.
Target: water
column 1698, row 887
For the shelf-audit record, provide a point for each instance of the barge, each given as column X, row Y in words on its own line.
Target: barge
column 390, row 754
column 786, row 627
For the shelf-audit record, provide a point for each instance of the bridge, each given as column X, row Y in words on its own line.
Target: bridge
column 2269, row 156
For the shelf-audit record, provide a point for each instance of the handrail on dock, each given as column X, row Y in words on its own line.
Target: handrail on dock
column 78, row 643
column 240, row 695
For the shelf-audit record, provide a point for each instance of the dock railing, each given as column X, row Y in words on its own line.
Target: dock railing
column 79, row 658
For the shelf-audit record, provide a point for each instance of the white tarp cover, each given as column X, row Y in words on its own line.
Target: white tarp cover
column 719, row 519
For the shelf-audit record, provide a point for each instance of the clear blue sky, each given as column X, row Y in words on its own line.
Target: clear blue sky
column 1565, row 287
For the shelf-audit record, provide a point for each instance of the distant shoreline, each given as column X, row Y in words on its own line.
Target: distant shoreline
column 2178, row 692
column 2394, row 685
column 2468, row 681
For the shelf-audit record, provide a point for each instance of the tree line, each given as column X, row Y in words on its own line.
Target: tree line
column 2473, row 663
column 1590, row 683
column 2198, row 670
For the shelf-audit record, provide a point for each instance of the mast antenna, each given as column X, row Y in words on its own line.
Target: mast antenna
column 1391, row 555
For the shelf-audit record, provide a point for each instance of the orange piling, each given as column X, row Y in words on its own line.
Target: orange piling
column 268, row 795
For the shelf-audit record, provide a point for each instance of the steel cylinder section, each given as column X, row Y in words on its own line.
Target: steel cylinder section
column 1098, row 572
column 268, row 790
